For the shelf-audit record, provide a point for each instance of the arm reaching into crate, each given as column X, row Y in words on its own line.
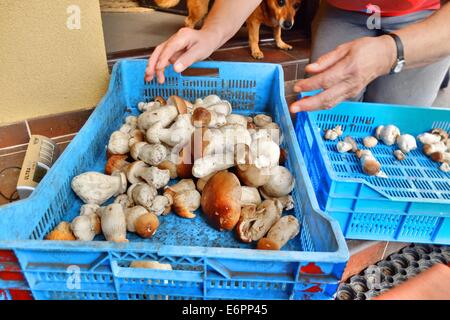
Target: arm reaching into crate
column 188, row 46
column 347, row 70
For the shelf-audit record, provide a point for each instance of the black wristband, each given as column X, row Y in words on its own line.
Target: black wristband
column 398, row 66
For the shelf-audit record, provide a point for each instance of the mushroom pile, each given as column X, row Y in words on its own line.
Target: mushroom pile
column 436, row 145
column 228, row 164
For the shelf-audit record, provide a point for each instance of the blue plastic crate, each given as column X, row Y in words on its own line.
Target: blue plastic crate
column 412, row 204
column 207, row 264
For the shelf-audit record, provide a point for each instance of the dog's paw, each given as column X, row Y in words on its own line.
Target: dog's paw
column 258, row 55
column 284, row 46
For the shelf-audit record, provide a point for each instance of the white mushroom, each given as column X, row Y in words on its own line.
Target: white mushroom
column 343, row 147
column 429, row 149
column 160, row 205
column 388, row 134
column 178, row 134
column 281, row 183
column 125, row 201
column 212, row 163
column 203, row 117
column 88, row 209
column 184, row 197
column 369, row 164
column 235, row 134
column 333, row 134
column 370, row 142
column 113, row 223
column 149, row 106
column 287, row 202
column 164, row 114
column 262, row 120
column 255, row 222
column 145, row 264
column 441, row 133
column 86, row 227
column 237, row 119
column 428, row 138
column 272, row 131
column 252, row 176
column 250, row 195
column 352, row 142
column 139, row 220
column 152, row 154
column 97, row 188
column 135, row 136
column 265, row 153
column 138, row 171
column 142, row 194
column 129, row 125
column 118, row 143
column 214, row 102
column 281, row 232
column 406, row 143
column 445, row 167
column 399, row 155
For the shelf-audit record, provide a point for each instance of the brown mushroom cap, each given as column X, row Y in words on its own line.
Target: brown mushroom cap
column 221, row 200
column 181, row 104
column 371, row 167
column 201, row 117
column 267, row 244
column 116, row 162
column 146, row 225
column 161, row 100
column 62, row 232
column 437, row 157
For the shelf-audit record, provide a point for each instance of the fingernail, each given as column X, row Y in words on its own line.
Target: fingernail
column 295, row 108
column 178, row 67
column 297, row 89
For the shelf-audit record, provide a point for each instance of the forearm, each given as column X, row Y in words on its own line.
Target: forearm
column 227, row 16
column 427, row 41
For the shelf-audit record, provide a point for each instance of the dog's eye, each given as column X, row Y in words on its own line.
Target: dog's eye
column 281, row 3
column 296, row 5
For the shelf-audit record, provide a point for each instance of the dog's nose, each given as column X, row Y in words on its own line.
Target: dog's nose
column 287, row 25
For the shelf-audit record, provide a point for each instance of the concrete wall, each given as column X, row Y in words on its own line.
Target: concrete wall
column 45, row 66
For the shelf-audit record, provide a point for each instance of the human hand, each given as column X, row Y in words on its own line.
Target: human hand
column 182, row 49
column 345, row 71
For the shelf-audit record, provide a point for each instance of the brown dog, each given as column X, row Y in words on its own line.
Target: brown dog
column 278, row 14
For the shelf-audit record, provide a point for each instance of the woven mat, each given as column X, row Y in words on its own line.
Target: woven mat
column 122, row 6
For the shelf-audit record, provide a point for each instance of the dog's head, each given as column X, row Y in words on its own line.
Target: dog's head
column 283, row 11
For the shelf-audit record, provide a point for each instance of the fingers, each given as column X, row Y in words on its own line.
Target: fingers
column 194, row 54
column 328, row 60
column 324, row 100
column 176, row 44
column 324, row 80
column 151, row 67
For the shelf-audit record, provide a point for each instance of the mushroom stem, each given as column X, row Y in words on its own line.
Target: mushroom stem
column 369, row 164
column 281, row 232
